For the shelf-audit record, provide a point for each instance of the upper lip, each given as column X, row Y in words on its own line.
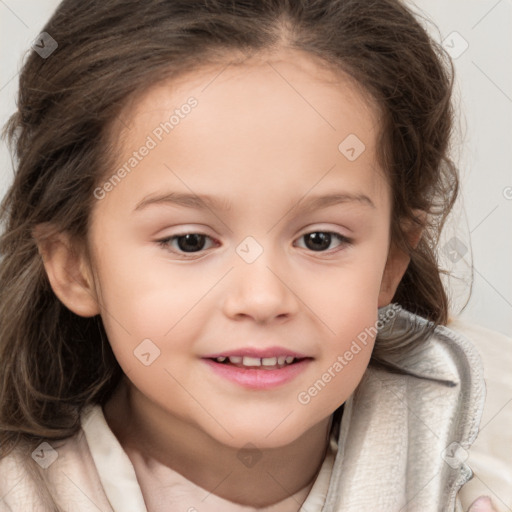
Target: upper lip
column 257, row 352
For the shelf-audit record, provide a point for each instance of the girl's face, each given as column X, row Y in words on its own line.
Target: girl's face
column 270, row 168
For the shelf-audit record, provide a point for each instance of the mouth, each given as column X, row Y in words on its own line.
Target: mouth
column 258, row 363
column 258, row 369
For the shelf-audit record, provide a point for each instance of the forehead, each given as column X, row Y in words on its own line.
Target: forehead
column 291, row 76
column 262, row 116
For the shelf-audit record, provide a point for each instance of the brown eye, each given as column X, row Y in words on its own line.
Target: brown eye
column 185, row 243
column 319, row 241
column 191, row 243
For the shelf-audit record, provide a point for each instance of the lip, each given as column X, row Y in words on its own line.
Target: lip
column 256, row 378
column 258, row 352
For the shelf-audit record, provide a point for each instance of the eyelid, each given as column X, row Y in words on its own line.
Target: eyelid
column 344, row 241
column 164, row 243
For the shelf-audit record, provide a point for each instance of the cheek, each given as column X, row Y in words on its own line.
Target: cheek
column 354, row 342
column 350, row 309
column 346, row 297
column 343, row 364
column 145, row 294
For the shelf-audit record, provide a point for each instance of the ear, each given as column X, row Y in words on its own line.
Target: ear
column 68, row 271
column 398, row 260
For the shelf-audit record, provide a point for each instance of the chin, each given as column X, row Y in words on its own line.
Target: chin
column 263, row 435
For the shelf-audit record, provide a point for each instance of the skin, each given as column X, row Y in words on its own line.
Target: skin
column 265, row 134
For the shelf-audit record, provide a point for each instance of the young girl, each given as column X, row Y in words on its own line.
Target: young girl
column 298, row 357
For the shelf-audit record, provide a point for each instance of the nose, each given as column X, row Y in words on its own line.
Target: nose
column 261, row 291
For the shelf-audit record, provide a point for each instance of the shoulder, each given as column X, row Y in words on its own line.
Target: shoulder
column 53, row 475
column 491, row 453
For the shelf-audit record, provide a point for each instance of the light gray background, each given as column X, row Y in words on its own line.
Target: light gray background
column 482, row 221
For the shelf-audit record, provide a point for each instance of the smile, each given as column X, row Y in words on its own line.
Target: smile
column 265, row 363
column 258, row 373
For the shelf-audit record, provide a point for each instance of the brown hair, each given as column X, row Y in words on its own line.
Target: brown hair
column 55, row 362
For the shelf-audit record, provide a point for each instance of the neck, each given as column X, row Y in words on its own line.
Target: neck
column 257, row 478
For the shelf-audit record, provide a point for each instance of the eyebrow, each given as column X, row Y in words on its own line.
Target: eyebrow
column 203, row 201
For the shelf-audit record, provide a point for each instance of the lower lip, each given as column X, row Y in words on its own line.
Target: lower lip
column 255, row 378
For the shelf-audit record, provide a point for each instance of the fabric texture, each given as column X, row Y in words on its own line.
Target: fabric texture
column 404, row 442
column 490, row 457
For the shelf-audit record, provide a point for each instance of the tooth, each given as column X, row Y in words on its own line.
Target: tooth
column 289, row 359
column 235, row 359
column 269, row 361
column 251, row 361
column 281, row 359
column 221, row 359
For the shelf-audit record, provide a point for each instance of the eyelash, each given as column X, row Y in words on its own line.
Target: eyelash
column 164, row 242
